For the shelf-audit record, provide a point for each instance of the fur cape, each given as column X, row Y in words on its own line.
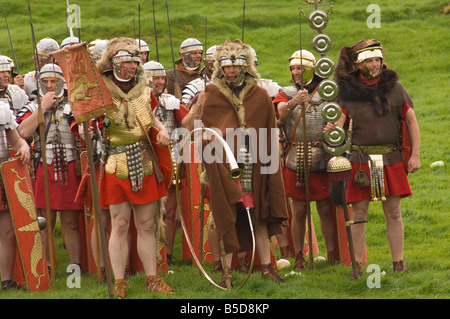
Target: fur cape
column 352, row 88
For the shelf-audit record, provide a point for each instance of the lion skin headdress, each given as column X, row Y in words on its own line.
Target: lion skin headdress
column 234, row 50
column 113, row 46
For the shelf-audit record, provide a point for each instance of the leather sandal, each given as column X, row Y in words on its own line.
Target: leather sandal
column 287, row 252
column 358, row 273
column 399, row 266
column 217, row 267
column 333, row 257
column 11, row 285
column 156, row 284
column 299, row 261
column 223, row 281
column 120, row 288
column 243, row 266
column 269, row 271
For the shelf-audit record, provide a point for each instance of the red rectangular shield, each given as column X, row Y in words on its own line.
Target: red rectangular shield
column 196, row 227
column 19, row 192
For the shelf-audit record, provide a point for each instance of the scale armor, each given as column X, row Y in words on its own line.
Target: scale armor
column 314, row 133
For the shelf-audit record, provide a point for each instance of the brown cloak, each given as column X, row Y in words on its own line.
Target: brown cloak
column 219, row 111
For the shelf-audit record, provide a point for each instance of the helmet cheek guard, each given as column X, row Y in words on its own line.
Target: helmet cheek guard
column 307, row 60
column 51, row 71
column 235, row 61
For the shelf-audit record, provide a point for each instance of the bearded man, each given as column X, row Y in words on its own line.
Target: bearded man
column 374, row 99
column 233, row 103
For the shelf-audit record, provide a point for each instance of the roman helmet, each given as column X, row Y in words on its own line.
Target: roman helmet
column 350, row 57
column 154, row 68
column 118, row 50
column 307, row 60
column 235, row 53
column 186, row 47
column 11, row 62
column 44, row 47
column 209, row 58
column 69, row 41
column 143, row 47
column 366, row 50
column 5, row 65
column 51, row 70
column 96, row 48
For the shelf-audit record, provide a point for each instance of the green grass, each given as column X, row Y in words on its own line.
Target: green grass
column 416, row 38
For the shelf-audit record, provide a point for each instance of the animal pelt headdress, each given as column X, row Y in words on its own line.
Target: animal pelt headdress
column 232, row 50
column 351, row 88
column 112, row 47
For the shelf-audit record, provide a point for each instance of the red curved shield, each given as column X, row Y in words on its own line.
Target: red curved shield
column 164, row 158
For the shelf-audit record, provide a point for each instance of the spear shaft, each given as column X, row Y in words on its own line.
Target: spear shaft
column 43, row 143
column 10, row 41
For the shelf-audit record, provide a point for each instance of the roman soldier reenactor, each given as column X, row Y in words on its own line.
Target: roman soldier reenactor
column 61, row 153
column 289, row 104
column 234, row 100
column 170, row 112
column 187, row 68
column 132, row 179
column 377, row 103
column 8, row 137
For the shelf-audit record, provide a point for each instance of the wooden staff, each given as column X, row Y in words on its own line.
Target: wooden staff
column 177, row 89
column 43, row 143
column 306, row 166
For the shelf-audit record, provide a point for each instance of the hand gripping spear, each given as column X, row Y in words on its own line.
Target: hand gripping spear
column 41, row 121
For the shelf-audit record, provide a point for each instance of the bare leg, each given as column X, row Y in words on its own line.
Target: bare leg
column 298, row 224
column 69, row 220
column 394, row 226
column 359, row 212
column 327, row 223
column 118, row 244
column 7, row 246
column 170, row 221
column 144, row 216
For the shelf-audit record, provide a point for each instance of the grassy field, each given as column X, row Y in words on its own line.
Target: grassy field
column 416, row 38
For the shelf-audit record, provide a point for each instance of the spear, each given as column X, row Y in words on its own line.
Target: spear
column 10, row 41
column 139, row 26
column 306, row 166
column 95, row 195
column 41, row 121
column 243, row 21
column 156, row 36
column 177, row 90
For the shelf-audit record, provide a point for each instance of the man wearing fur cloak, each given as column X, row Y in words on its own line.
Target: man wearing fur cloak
column 234, row 100
column 374, row 99
column 130, row 180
